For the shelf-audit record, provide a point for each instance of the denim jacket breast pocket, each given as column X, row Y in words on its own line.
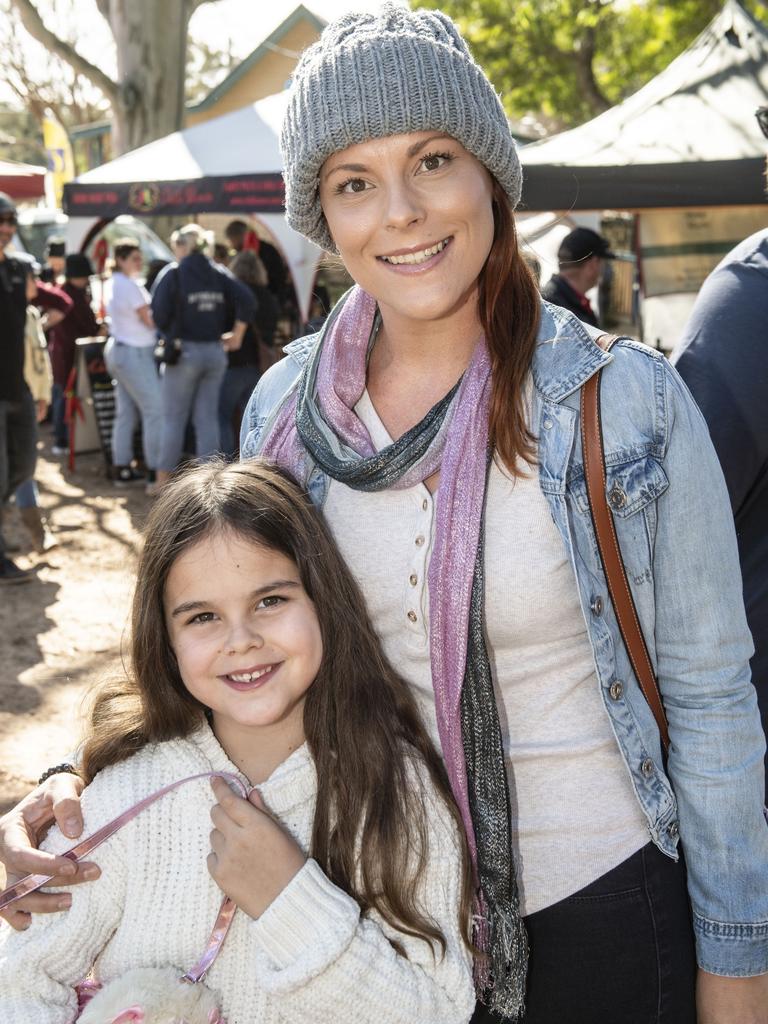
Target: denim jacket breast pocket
column 632, row 489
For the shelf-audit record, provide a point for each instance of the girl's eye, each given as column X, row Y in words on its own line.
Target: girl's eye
column 271, row 602
column 201, row 617
column 351, row 185
column 433, row 161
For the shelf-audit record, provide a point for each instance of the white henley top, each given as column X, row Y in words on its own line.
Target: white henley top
column 574, row 812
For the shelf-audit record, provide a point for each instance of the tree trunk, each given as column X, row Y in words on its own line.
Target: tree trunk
column 151, row 40
column 584, row 56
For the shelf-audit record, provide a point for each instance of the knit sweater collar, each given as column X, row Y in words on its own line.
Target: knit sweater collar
column 292, row 784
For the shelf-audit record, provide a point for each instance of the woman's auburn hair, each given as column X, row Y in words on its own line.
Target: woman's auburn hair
column 509, row 309
column 361, row 721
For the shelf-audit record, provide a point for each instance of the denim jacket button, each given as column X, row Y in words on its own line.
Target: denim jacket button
column 616, row 690
column 596, row 607
column 647, row 767
column 617, row 498
column 548, row 423
column 673, row 830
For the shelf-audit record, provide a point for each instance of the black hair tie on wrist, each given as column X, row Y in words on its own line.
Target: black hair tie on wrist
column 58, row 769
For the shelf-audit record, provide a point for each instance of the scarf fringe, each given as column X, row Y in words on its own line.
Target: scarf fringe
column 500, row 969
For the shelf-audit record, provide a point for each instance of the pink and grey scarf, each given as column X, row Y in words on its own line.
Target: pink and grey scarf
column 318, row 424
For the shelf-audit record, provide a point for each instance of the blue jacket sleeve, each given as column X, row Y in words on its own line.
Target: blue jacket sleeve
column 163, row 299
column 723, row 361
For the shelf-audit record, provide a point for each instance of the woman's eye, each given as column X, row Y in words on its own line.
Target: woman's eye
column 433, row 161
column 351, row 185
column 271, row 602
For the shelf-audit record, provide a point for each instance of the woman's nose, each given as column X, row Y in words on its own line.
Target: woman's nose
column 404, row 205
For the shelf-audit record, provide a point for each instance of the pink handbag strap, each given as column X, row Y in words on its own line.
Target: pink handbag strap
column 30, row 883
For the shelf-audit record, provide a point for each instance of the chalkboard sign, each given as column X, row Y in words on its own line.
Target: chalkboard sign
column 94, row 409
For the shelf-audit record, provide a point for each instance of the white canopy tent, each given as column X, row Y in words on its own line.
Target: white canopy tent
column 230, row 164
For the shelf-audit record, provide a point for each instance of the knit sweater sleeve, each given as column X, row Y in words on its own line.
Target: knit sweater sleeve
column 325, row 962
column 41, row 966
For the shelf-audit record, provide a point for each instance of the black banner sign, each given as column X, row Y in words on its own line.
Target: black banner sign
column 239, row 193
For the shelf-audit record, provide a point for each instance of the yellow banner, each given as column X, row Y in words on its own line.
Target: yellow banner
column 61, row 165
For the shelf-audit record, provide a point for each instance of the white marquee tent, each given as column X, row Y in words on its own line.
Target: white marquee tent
column 230, row 164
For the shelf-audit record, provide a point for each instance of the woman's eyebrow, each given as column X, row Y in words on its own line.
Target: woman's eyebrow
column 192, row 606
column 355, row 168
column 418, row 146
column 362, row 168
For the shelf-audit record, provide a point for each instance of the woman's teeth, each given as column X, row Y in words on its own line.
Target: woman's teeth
column 417, row 257
column 249, row 677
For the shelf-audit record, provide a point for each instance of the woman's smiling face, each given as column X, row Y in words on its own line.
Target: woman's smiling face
column 412, row 218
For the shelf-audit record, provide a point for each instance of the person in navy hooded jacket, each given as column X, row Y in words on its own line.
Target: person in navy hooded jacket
column 196, row 301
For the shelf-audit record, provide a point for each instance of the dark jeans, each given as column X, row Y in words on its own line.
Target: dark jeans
column 619, row 951
column 236, row 388
column 18, row 447
column 58, row 414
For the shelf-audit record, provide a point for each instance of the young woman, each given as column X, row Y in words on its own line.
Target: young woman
column 129, row 355
column 252, row 655
column 482, row 574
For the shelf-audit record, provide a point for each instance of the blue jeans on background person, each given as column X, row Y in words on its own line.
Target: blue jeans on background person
column 236, row 388
column 26, row 494
column 138, row 395
column 58, row 412
column 190, row 389
column 18, row 447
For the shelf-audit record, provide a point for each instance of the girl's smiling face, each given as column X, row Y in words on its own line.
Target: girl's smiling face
column 244, row 632
column 412, row 218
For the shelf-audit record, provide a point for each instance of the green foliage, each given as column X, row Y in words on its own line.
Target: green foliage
column 206, row 67
column 564, row 61
column 20, row 137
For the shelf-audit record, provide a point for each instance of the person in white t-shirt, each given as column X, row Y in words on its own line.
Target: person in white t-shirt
column 130, row 360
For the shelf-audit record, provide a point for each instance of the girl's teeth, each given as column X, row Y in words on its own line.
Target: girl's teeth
column 248, row 677
column 417, row 257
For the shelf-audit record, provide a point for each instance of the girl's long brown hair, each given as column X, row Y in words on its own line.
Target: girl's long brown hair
column 509, row 312
column 360, row 718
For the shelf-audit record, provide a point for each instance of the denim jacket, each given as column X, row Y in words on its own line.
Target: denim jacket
column 675, row 529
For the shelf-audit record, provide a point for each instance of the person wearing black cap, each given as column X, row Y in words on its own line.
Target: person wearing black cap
column 55, row 260
column 580, row 260
column 18, row 421
column 80, row 322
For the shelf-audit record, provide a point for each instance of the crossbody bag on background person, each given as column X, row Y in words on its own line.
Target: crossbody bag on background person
column 167, row 351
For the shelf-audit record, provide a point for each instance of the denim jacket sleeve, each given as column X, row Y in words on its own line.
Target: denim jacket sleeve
column 703, row 648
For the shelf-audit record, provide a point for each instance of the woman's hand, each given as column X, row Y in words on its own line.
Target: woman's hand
column 252, row 858
column 22, row 828
column 731, row 1000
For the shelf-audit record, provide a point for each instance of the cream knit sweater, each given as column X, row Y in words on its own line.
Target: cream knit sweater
column 311, row 957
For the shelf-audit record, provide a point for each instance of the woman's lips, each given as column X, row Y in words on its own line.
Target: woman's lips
column 417, row 268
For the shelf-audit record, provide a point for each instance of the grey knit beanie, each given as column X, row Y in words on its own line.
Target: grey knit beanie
column 387, row 73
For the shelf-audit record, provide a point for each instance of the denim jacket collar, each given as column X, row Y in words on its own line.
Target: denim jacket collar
column 566, row 354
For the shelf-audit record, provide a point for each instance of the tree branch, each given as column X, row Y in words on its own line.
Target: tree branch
column 34, row 24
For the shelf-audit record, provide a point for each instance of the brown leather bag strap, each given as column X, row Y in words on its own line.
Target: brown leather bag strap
column 608, row 544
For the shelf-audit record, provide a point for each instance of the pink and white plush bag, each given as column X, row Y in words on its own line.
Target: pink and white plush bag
column 145, row 995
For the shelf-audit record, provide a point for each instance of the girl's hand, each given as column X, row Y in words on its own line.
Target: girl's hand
column 731, row 1000
column 252, row 858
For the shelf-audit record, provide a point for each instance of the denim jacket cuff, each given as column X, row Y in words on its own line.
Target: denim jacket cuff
column 732, row 950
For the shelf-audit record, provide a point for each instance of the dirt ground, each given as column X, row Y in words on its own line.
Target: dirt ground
column 61, row 632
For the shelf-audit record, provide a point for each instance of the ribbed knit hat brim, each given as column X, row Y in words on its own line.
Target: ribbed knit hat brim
column 374, row 75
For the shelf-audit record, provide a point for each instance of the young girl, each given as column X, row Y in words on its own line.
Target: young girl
column 252, row 654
